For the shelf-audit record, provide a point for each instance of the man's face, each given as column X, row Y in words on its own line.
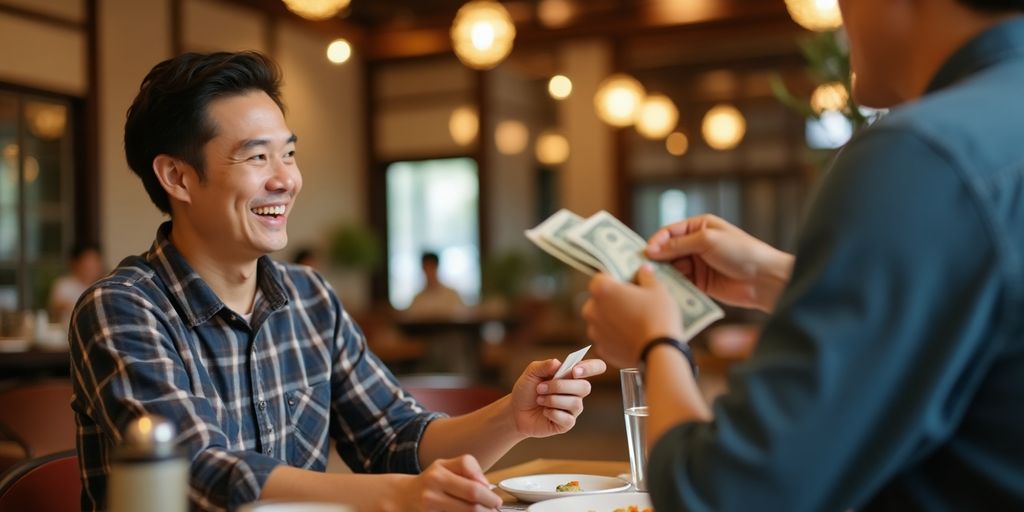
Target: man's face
column 241, row 210
column 878, row 32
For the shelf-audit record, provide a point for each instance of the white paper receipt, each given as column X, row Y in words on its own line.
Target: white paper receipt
column 570, row 361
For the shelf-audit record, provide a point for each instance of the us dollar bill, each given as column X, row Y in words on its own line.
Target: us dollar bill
column 620, row 253
column 550, row 236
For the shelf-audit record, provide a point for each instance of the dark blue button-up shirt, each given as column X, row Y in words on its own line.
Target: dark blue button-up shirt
column 154, row 338
column 891, row 375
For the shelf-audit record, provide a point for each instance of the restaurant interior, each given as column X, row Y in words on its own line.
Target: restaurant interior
column 440, row 126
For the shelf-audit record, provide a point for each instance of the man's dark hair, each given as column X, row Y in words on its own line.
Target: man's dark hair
column 81, row 248
column 995, row 5
column 430, row 257
column 169, row 115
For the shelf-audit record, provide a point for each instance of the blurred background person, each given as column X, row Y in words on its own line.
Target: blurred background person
column 307, row 256
column 435, row 300
column 85, row 266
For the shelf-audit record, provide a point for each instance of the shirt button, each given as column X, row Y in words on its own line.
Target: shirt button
column 263, row 405
column 291, row 401
column 269, row 451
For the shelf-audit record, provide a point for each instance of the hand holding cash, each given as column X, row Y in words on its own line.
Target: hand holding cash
column 604, row 244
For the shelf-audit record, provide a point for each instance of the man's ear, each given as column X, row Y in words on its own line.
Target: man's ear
column 173, row 176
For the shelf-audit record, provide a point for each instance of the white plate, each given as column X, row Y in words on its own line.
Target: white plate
column 542, row 487
column 599, row 503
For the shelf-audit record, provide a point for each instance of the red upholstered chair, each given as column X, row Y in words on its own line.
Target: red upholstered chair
column 452, row 395
column 45, row 484
column 38, row 417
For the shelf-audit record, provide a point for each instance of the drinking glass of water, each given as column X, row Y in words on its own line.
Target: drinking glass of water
column 634, row 407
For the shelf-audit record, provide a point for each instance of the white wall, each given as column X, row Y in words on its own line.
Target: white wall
column 42, row 55
column 415, row 100
column 586, row 181
column 209, row 26
column 134, row 36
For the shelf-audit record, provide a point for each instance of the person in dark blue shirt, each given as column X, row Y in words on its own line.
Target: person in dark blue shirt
column 891, row 371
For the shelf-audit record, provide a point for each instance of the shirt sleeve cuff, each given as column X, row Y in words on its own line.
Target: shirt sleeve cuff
column 405, row 458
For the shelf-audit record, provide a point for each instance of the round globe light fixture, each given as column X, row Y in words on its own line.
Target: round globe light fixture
column 316, row 9
column 832, row 96
column 552, row 148
column 463, row 125
column 560, row 87
column 511, row 137
column 339, row 51
column 657, row 117
column 618, row 100
column 482, row 34
column 677, row 144
column 816, row 15
column 724, row 127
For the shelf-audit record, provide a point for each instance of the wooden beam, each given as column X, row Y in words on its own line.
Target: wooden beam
column 43, row 17
column 405, row 42
column 333, row 27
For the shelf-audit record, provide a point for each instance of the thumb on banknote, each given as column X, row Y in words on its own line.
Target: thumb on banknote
column 645, row 276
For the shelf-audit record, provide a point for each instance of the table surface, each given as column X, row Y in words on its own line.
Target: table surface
column 541, row 466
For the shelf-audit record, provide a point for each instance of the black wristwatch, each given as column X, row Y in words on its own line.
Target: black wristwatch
column 665, row 340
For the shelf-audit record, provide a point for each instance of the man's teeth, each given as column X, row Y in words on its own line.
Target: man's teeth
column 269, row 210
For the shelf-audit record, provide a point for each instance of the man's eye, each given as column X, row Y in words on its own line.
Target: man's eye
column 258, row 157
column 290, row 154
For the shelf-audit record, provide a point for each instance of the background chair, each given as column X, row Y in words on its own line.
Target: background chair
column 450, row 394
column 37, row 418
column 47, row 484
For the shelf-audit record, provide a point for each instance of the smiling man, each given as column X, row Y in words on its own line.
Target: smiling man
column 255, row 361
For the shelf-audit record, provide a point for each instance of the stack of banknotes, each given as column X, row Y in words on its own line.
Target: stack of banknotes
column 602, row 243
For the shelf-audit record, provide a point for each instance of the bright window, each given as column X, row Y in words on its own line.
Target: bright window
column 433, row 206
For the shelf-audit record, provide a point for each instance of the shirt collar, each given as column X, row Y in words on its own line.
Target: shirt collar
column 194, row 297
column 999, row 43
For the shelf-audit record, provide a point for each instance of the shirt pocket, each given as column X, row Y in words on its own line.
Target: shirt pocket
column 309, row 413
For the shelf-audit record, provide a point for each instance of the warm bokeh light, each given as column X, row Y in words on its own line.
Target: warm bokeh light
column 657, row 118
column 559, row 87
column 339, row 51
column 552, row 148
column 829, row 97
column 677, row 143
column 464, row 125
column 724, row 127
column 816, row 15
column 618, row 99
column 48, row 121
column 511, row 137
column 316, row 9
column 31, row 169
column 482, row 34
column 555, row 13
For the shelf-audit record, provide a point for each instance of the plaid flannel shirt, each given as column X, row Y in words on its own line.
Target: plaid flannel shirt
column 154, row 338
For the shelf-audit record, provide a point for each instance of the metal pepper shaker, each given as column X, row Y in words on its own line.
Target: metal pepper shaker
column 149, row 472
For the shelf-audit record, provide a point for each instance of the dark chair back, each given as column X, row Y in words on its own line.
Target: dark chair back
column 38, row 417
column 46, row 484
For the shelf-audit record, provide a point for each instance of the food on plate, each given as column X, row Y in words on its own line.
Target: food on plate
column 570, row 486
